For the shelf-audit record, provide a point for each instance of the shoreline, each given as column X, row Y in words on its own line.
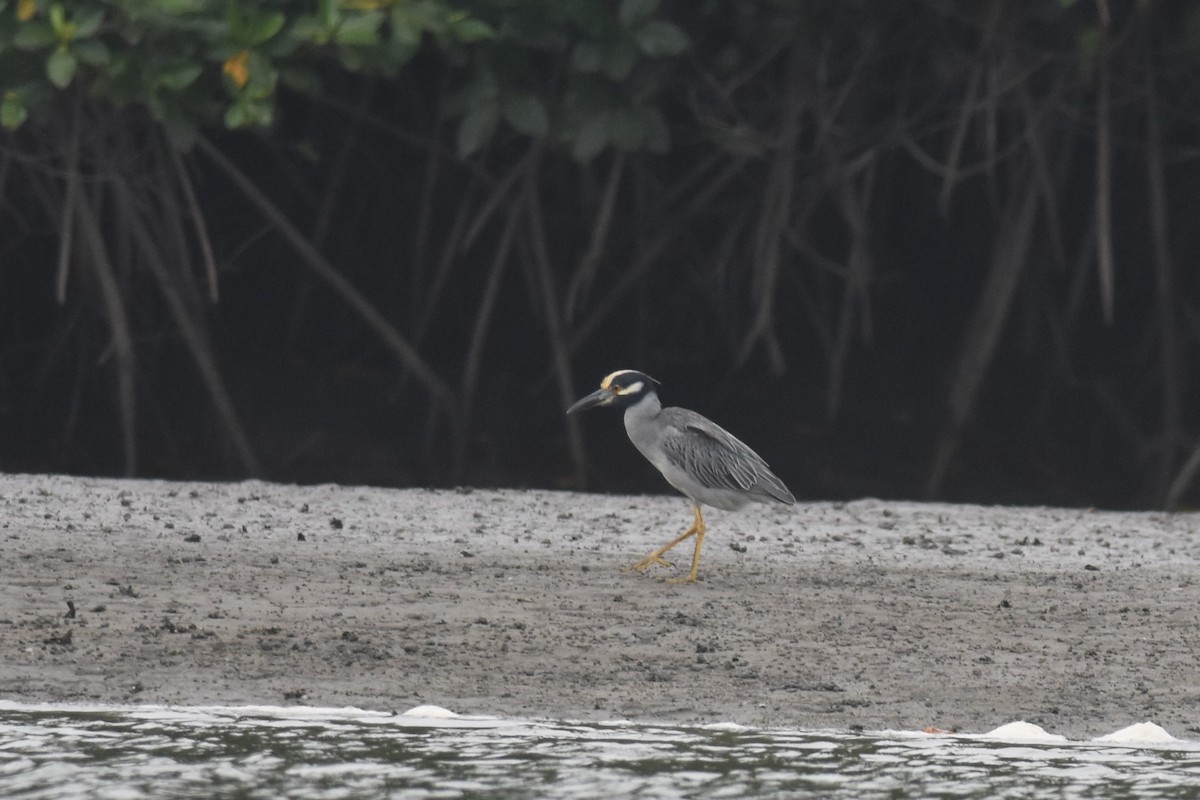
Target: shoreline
column 869, row 615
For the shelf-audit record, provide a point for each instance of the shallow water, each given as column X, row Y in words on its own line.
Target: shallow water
column 124, row 753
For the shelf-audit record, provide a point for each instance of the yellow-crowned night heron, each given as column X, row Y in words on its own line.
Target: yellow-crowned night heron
column 696, row 456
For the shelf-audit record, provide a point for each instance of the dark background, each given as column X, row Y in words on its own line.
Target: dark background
column 873, row 245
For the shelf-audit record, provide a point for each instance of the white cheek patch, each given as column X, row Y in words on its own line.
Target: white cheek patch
column 632, row 388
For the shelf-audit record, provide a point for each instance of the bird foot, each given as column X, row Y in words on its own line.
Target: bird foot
column 648, row 562
column 690, row 578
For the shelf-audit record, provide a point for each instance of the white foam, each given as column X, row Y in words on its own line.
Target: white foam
column 1139, row 732
column 430, row 712
column 724, row 726
column 166, row 712
column 1022, row 731
column 1142, row 733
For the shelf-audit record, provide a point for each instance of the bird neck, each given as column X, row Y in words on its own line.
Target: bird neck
column 641, row 424
column 644, row 409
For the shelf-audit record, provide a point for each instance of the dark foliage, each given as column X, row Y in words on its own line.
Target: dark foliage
column 906, row 249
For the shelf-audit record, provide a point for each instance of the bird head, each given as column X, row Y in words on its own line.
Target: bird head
column 621, row 389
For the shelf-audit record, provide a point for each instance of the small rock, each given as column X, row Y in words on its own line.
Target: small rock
column 62, row 640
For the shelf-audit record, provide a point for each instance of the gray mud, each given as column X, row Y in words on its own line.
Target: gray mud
column 873, row 614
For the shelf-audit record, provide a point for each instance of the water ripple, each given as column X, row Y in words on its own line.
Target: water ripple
column 123, row 753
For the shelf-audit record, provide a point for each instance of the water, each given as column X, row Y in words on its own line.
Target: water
column 125, row 753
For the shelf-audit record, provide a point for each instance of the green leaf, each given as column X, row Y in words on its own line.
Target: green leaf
column 396, row 55
column 263, row 76
column 310, row 29
column 263, row 28
column 658, row 38
column 360, row 29
column 470, row 30
column 179, row 7
column 180, row 75
column 34, row 35
column 425, row 15
column 405, row 30
column 300, row 79
column 12, row 111
column 526, row 114
column 619, row 60
column 87, row 21
column 477, row 128
column 246, row 113
column 248, row 27
column 237, row 116
column 58, row 19
column 633, row 12
column 92, row 52
column 483, row 90
column 328, row 10
column 60, row 68
column 591, row 138
column 160, row 108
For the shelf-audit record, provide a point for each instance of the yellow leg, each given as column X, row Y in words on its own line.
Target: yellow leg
column 697, row 529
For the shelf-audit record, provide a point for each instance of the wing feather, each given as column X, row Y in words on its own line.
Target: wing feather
column 718, row 459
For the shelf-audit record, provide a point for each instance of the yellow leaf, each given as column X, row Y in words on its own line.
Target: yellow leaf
column 235, row 68
column 26, row 9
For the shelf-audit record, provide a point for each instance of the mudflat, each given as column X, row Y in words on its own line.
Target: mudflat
column 870, row 614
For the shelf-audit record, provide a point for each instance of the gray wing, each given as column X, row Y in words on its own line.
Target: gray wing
column 716, row 458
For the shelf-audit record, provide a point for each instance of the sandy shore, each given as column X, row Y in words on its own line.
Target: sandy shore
column 873, row 614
